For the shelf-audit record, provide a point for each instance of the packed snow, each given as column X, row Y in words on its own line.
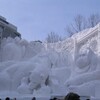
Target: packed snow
column 42, row 69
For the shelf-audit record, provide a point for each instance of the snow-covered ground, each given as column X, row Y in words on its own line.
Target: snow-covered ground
column 38, row 69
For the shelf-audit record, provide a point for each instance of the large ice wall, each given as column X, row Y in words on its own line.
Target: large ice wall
column 38, row 68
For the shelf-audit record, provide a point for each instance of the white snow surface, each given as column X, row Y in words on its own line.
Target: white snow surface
column 42, row 69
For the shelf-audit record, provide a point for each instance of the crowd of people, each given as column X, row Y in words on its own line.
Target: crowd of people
column 69, row 96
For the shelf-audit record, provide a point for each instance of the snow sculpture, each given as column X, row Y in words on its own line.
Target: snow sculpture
column 11, row 49
column 27, row 50
column 59, row 59
column 15, row 73
column 86, row 61
column 5, row 81
column 29, row 68
column 31, row 49
column 88, row 76
column 41, row 72
column 19, row 49
column 56, row 82
column 11, row 52
column 90, row 88
column 24, row 88
column 26, row 76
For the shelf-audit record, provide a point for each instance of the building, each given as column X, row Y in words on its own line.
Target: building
column 7, row 29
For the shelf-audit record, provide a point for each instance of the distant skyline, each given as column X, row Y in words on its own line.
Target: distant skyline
column 36, row 18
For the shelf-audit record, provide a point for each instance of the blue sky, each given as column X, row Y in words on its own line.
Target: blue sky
column 36, row 18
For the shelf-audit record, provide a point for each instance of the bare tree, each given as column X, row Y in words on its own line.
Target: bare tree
column 53, row 37
column 80, row 23
column 93, row 20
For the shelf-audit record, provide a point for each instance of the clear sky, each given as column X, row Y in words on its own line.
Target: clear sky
column 36, row 18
